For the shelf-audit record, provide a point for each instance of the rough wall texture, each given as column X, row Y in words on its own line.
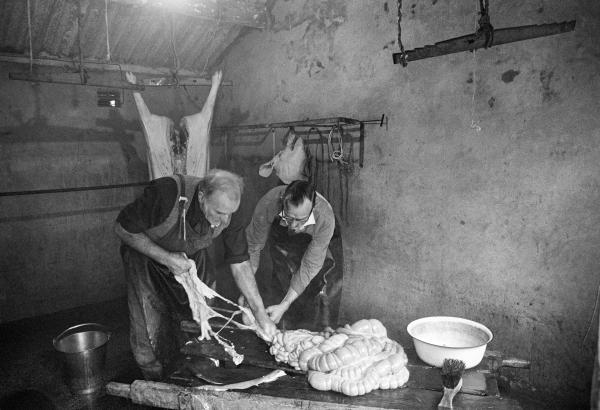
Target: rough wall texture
column 481, row 198
column 59, row 250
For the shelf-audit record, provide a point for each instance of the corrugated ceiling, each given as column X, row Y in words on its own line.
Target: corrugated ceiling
column 188, row 34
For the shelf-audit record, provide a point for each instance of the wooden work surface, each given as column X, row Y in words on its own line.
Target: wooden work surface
column 423, row 390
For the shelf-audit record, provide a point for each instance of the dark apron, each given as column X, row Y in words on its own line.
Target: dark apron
column 195, row 246
column 313, row 308
column 168, row 301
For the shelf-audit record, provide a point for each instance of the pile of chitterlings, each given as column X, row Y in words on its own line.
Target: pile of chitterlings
column 352, row 360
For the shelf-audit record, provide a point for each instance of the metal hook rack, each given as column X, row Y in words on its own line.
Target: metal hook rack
column 256, row 134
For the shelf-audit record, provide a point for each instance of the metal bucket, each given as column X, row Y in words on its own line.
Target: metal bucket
column 83, row 349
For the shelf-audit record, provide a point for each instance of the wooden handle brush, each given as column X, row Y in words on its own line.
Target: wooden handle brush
column 452, row 371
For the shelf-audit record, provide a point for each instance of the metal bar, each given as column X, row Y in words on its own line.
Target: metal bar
column 320, row 122
column 60, row 190
column 252, row 133
column 473, row 41
column 310, row 141
column 181, row 82
column 361, row 152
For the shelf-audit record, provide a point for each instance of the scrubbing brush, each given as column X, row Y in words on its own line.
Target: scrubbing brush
column 452, row 371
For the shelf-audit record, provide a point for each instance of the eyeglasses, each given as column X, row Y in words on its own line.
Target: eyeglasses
column 290, row 220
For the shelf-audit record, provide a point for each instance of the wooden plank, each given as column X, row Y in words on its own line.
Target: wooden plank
column 478, row 381
column 294, row 392
column 72, row 79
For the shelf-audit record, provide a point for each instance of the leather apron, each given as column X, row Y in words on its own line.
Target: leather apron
column 164, row 302
column 176, row 234
column 311, row 309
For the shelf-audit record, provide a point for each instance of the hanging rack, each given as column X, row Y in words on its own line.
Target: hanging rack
column 256, row 134
column 485, row 36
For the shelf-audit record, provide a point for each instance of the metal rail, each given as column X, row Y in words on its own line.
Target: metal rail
column 75, row 189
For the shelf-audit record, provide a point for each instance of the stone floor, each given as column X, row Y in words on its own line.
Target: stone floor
column 32, row 376
column 31, row 370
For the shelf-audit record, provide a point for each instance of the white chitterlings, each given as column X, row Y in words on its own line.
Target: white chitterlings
column 352, row 360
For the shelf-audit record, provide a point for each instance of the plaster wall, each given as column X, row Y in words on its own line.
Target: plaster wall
column 59, row 250
column 480, row 198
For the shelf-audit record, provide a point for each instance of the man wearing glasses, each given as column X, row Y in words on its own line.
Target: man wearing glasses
column 297, row 224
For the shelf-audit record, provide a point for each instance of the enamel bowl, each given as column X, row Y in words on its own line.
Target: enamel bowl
column 444, row 337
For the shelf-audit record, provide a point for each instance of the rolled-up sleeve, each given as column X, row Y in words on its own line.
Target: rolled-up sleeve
column 258, row 229
column 315, row 254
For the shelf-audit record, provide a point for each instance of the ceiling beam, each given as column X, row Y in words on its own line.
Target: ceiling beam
column 96, row 65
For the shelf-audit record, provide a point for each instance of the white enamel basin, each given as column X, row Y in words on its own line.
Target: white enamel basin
column 444, row 337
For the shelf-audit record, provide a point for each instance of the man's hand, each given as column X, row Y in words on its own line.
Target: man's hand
column 179, row 263
column 276, row 312
column 267, row 328
column 130, row 77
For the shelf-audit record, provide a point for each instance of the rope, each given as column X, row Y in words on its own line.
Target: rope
column 175, row 57
column 214, row 34
column 336, row 155
column 474, row 125
column 106, row 24
column 30, row 40
column 402, row 52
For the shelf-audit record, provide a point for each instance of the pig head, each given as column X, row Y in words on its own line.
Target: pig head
column 290, row 163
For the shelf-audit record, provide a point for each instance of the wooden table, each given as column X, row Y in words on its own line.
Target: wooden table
column 423, row 390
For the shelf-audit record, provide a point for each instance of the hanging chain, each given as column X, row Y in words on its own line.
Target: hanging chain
column 402, row 52
column 174, row 50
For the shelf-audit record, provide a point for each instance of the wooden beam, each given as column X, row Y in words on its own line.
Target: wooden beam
column 96, row 65
column 74, row 79
column 71, row 79
column 473, row 41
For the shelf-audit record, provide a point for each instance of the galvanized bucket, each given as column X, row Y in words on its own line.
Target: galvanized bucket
column 83, row 349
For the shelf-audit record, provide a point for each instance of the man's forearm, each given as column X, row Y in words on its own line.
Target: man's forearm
column 244, row 278
column 254, row 261
column 143, row 244
column 290, row 297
